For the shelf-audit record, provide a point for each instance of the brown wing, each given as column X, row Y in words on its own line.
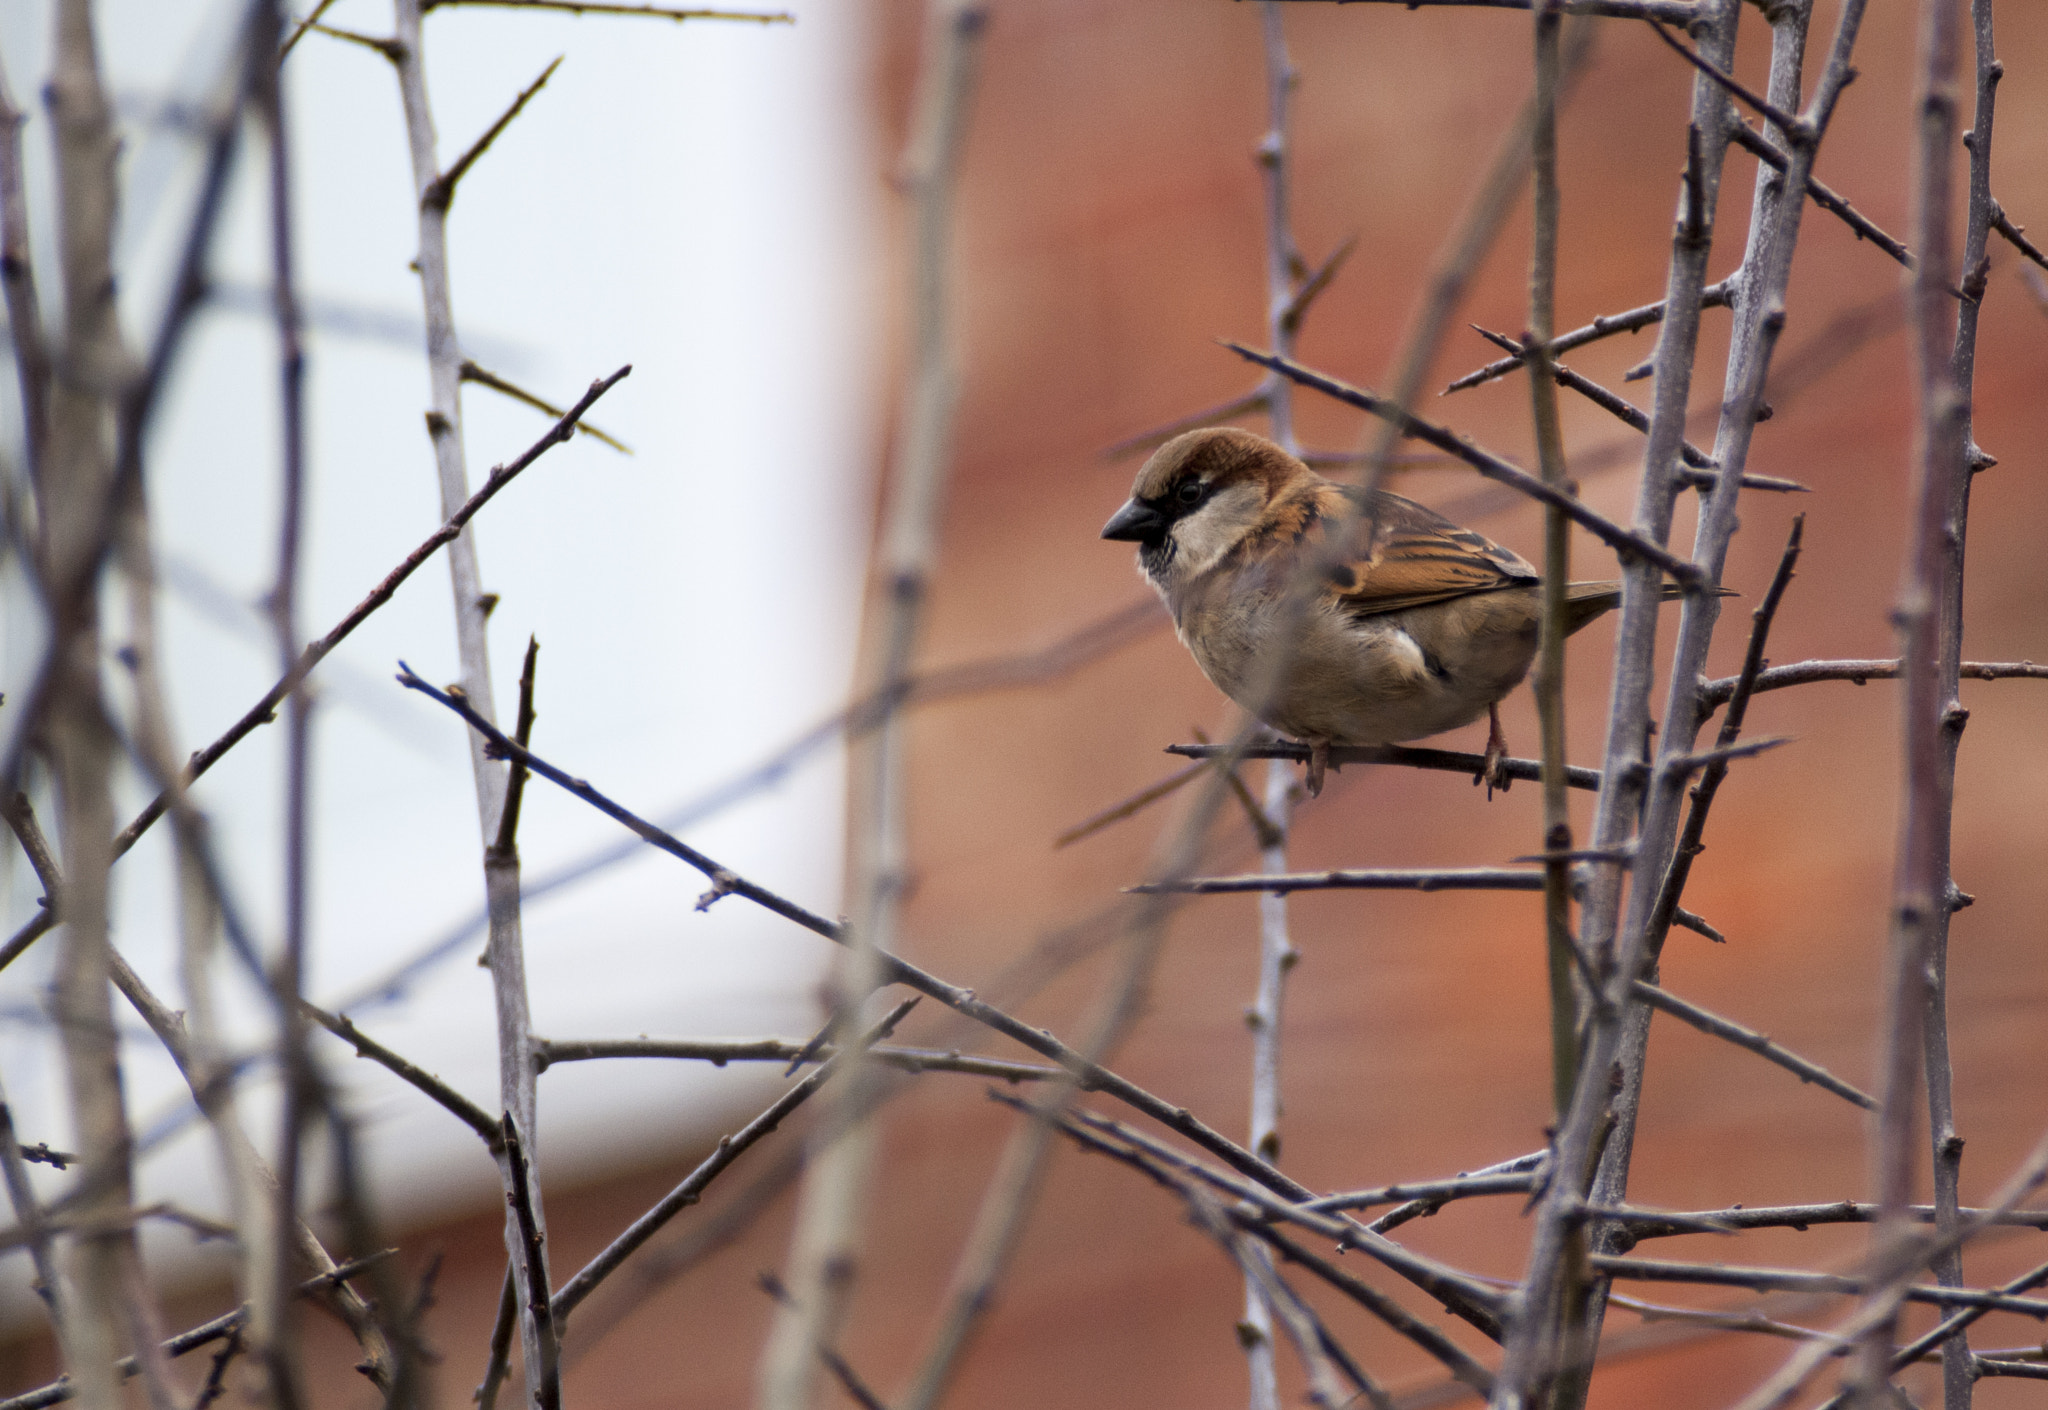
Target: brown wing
column 1418, row 557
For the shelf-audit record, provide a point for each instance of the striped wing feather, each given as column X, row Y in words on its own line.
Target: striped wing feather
column 1418, row 557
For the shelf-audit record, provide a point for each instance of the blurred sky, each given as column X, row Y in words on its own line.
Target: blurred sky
column 699, row 200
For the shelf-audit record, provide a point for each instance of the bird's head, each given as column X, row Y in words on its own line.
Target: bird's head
column 1197, row 498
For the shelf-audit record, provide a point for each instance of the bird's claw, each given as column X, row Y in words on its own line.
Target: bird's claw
column 1493, row 771
column 1318, row 763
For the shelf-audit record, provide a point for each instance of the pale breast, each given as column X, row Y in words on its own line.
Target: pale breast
column 1379, row 679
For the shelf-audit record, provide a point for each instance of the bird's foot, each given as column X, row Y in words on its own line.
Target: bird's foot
column 1493, row 772
column 1318, row 763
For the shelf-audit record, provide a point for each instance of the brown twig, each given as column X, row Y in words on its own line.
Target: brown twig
column 443, row 1095
column 540, row 1313
column 729, row 1149
column 1797, row 130
column 1630, row 546
column 719, row 1052
column 1438, row 760
column 440, row 192
column 264, row 711
column 1607, row 325
column 597, row 7
column 1618, row 407
column 1689, row 844
column 484, row 377
column 1753, row 1041
column 1766, row 151
column 2016, row 235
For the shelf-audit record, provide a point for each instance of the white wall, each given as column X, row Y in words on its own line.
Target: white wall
column 699, row 200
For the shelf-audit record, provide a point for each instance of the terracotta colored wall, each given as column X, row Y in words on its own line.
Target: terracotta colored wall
column 1111, row 231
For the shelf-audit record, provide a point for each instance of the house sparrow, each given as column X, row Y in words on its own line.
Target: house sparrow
column 1419, row 630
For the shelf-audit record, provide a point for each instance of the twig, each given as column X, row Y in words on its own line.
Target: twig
column 1354, row 879
column 1689, row 843
column 1753, row 1041
column 1789, row 1280
column 1632, row 321
column 725, row 882
column 1761, row 147
column 719, row 1052
column 540, row 1314
column 2017, row 236
column 1618, row 407
column 1796, row 129
column 729, row 1149
column 1631, row 546
column 443, row 1095
column 484, row 377
column 824, row 1250
column 1090, row 1074
column 1439, row 760
column 594, row 7
column 440, row 192
column 1321, row 1355
column 1009, row 671
column 264, row 711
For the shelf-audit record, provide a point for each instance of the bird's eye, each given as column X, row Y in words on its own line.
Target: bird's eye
column 1189, row 494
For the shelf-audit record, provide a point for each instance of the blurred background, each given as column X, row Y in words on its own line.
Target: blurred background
column 712, row 203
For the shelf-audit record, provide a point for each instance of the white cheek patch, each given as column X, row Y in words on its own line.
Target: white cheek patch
column 1203, row 537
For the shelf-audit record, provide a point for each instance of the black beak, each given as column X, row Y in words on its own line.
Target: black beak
column 1136, row 521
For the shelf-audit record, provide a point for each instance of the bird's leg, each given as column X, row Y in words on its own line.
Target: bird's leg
column 1494, row 772
column 1318, row 762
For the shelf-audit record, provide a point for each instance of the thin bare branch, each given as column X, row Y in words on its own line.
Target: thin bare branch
column 484, row 377
column 440, row 192
column 264, row 711
column 1438, row 760
column 1795, row 128
column 719, row 1052
column 1629, row 545
column 443, row 1095
column 1617, row 407
column 656, row 12
column 729, row 1149
column 2016, row 235
column 1755, row 1042
column 1607, row 325
column 1678, row 12
column 1354, row 879
column 1761, row 147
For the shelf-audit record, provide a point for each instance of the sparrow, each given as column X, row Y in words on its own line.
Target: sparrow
column 1413, row 625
